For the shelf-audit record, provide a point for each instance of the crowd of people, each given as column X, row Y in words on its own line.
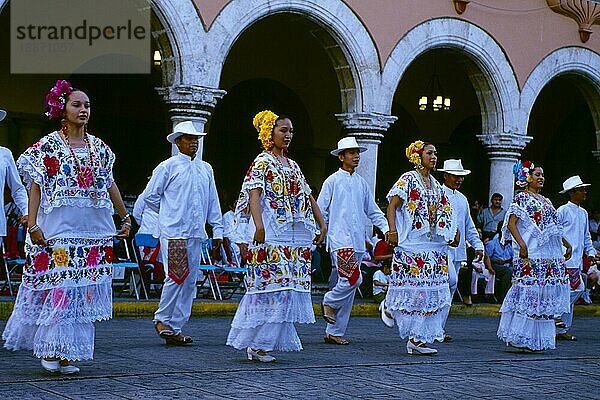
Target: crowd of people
column 433, row 245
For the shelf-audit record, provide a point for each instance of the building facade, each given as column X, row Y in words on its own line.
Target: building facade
column 523, row 77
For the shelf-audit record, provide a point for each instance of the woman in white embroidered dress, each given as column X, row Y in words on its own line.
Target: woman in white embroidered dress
column 540, row 287
column 421, row 227
column 277, row 244
column 67, row 279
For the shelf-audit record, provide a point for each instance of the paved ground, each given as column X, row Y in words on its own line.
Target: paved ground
column 132, row 363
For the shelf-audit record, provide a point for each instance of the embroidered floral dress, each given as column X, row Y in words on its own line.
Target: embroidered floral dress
column 66, row 284
column 419, row 296
column 539, row 285
column 278, row 279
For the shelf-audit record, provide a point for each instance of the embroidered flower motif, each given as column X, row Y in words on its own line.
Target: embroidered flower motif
column 411, row 206
column 418, row 225
column 85, row 178
column 275, row 255
column 93, row 257
column 265, row 273
column 41, row 262
column 261, row 256
column 414, row 270
column 287, row 252
column 537, row 216
column 108, row 254
column 414, row 194
column 52, row 165
column 306, row 254
column 61, row 257
column 445, row 268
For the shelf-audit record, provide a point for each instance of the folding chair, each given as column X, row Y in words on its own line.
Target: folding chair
column 124, row 271
column 12, row 266
column 208, row 270
column 147, row 241
column 235, row 275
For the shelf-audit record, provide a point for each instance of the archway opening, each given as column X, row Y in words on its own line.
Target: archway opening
column 453, row 132
column 564, row 137
column 278, row 63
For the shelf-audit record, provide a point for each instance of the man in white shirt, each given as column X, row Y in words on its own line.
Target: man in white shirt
column 574, row 220
column 182, row 191
column 10, row 176
column 346, row 203
column 454, row 176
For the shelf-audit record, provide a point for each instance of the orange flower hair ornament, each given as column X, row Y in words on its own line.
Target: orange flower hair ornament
column 264, row 122
column 414, row 152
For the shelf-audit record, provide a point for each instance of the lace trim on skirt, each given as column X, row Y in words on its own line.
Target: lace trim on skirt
column 525, row 331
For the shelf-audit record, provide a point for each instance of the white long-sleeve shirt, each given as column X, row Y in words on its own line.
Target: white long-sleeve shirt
column 183, row 193
column 465, row 224
column 10, row 175
column 346, row 202
column 574, row 220
column 145, row 216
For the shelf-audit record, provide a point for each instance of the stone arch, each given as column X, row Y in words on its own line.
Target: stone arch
column 346, row 40
column 182, row 32
column 581, row 63
column 490, row 72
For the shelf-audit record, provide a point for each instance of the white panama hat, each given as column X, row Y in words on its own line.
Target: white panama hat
column 183, row 128
column 2, row 114
column 572, row 183
column 454, row 167
column 346, row 143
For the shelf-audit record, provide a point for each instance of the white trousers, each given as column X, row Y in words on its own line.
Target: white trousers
column 567, row 318
column 453, row 276
column 175, row 305
column 341, row 297
column 490, row 281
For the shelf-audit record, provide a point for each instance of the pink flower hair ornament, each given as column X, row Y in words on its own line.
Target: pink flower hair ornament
column 56, row 99
column 522, row 172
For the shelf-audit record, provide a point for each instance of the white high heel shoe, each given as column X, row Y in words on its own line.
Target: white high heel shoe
column 254, row 355
column 419, row 349
column 389, row 322
column 68, row 369
column 51, row 366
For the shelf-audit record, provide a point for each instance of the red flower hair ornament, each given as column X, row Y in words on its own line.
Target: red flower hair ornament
column 56, row 99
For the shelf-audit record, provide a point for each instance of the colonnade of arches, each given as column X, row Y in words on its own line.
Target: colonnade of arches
column 316, row 60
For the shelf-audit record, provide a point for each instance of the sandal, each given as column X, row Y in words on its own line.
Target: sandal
column 566, row 336
column 336, row 340
column 328, row 318
column 559, row 324
column 179, row 340
column 163, row 330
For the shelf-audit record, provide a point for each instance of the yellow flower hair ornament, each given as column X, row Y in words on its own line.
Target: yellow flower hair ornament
column 413, row 153
column 264, row 122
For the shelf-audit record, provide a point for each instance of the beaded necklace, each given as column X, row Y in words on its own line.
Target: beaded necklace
column 84, row 174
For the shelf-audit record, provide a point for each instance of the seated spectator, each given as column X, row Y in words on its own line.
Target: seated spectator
column 380, row 282
column 500, row 258
column 593, row 284
column 483, row 270
column 490, row 217
column 230, row 251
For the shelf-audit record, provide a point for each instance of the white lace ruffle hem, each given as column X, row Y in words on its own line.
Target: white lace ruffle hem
column 268, row 337
column 423, row 328
column 522, row 330
column 58, row 322
column 273, row 307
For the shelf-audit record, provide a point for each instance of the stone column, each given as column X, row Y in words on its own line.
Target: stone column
column 596, row 153
column 368, row 129
column 190, row 103
column 504, row 149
